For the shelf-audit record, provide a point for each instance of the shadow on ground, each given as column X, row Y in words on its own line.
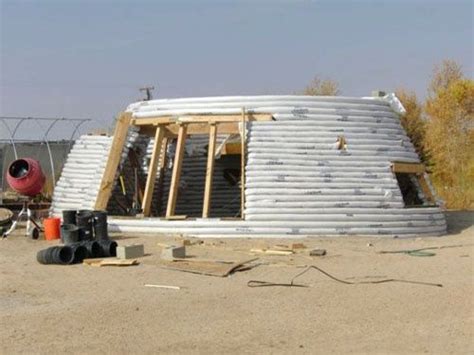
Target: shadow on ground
column 459, row 221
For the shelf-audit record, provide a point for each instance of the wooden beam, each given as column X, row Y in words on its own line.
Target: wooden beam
column 242, row 166
column 151, row 178
column 203, row 128
column 408, row 168
column 113, row 162
column 178, row 163
column 205, row 118
column 425, row 188
column 209, row 170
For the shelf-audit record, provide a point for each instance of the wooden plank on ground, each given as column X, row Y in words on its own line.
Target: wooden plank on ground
column 209, row 170
column 152, row 169
column 178, row 163
column 110, row 262
column 113, row 162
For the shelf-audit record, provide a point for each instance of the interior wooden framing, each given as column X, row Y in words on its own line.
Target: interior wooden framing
column 163, row 128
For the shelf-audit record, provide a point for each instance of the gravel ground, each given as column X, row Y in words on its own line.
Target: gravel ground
column 81, row 309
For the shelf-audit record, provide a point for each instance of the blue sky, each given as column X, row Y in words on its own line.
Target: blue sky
column 88, row 58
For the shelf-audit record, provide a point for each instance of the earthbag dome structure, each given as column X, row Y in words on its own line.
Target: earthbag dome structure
column 256, row 166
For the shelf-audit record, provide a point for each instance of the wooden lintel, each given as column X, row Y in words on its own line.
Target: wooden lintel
column 152, row 169
column 178, row 162
column 205, row 118
column 113, row 161
column 203, row 128
column 209, row 170
column 408, row 168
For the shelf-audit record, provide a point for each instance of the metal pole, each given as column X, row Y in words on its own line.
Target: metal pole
column 45, row 138
column 11, row 139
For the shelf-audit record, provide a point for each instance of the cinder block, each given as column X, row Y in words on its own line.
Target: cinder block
column 173, row 252
column 130, row 251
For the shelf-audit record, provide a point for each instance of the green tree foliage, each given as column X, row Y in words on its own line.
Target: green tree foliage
column 322, row 87
column 449, row 135
column 412, row 121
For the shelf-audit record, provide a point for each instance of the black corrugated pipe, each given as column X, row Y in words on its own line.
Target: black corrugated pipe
column 69, row 217
column 80, row 252
column 56, row 255
column 109, row 247
column 69, row 233
column 100, row 225
column 94, row 250
column 84, row 220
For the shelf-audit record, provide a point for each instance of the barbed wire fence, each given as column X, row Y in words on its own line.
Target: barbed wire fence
column 46, row 139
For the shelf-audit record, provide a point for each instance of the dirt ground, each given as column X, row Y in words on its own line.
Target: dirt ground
column 89, row 310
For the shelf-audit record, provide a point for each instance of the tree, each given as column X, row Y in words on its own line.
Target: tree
column 444, row 75
column 322, row 87
column 412, row 121
column 449, row 137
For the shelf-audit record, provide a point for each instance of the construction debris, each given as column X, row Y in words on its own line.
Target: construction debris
column 295, row 246
column 130, row 251
column 258, row 283
column 110, row 262
column 219, row 268
column 173, row 252
column 317, row 252
column 272, row 251
column 164, row 286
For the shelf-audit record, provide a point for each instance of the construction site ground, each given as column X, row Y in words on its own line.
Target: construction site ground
column 84, row 309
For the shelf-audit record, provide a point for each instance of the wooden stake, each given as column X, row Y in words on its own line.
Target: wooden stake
column 113, row 162
column 209, row 170
column 242, row 166
column 178, row 163
column 151, row 178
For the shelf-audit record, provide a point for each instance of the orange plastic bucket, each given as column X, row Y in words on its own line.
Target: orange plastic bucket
column 52, row 228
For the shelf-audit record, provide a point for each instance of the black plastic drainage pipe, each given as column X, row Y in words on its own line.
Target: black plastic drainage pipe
column 56, row 255
column 100, row 225
column 84, row 220
column 69, row 233
column 69, row 217
column 93, row 248
column 109, row 247
column 80, row 253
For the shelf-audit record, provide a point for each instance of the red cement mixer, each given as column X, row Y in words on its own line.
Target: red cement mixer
column 25, row 177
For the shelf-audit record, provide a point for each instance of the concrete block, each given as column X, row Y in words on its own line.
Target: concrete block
column 130, row 251
column 173, row 252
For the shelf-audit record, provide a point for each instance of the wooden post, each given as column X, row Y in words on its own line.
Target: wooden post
column 242, row 166
column 113, row 162
column 161, row 175
column 151, row 178
column 209, row 170
column 425, row 188
column 178, row 163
